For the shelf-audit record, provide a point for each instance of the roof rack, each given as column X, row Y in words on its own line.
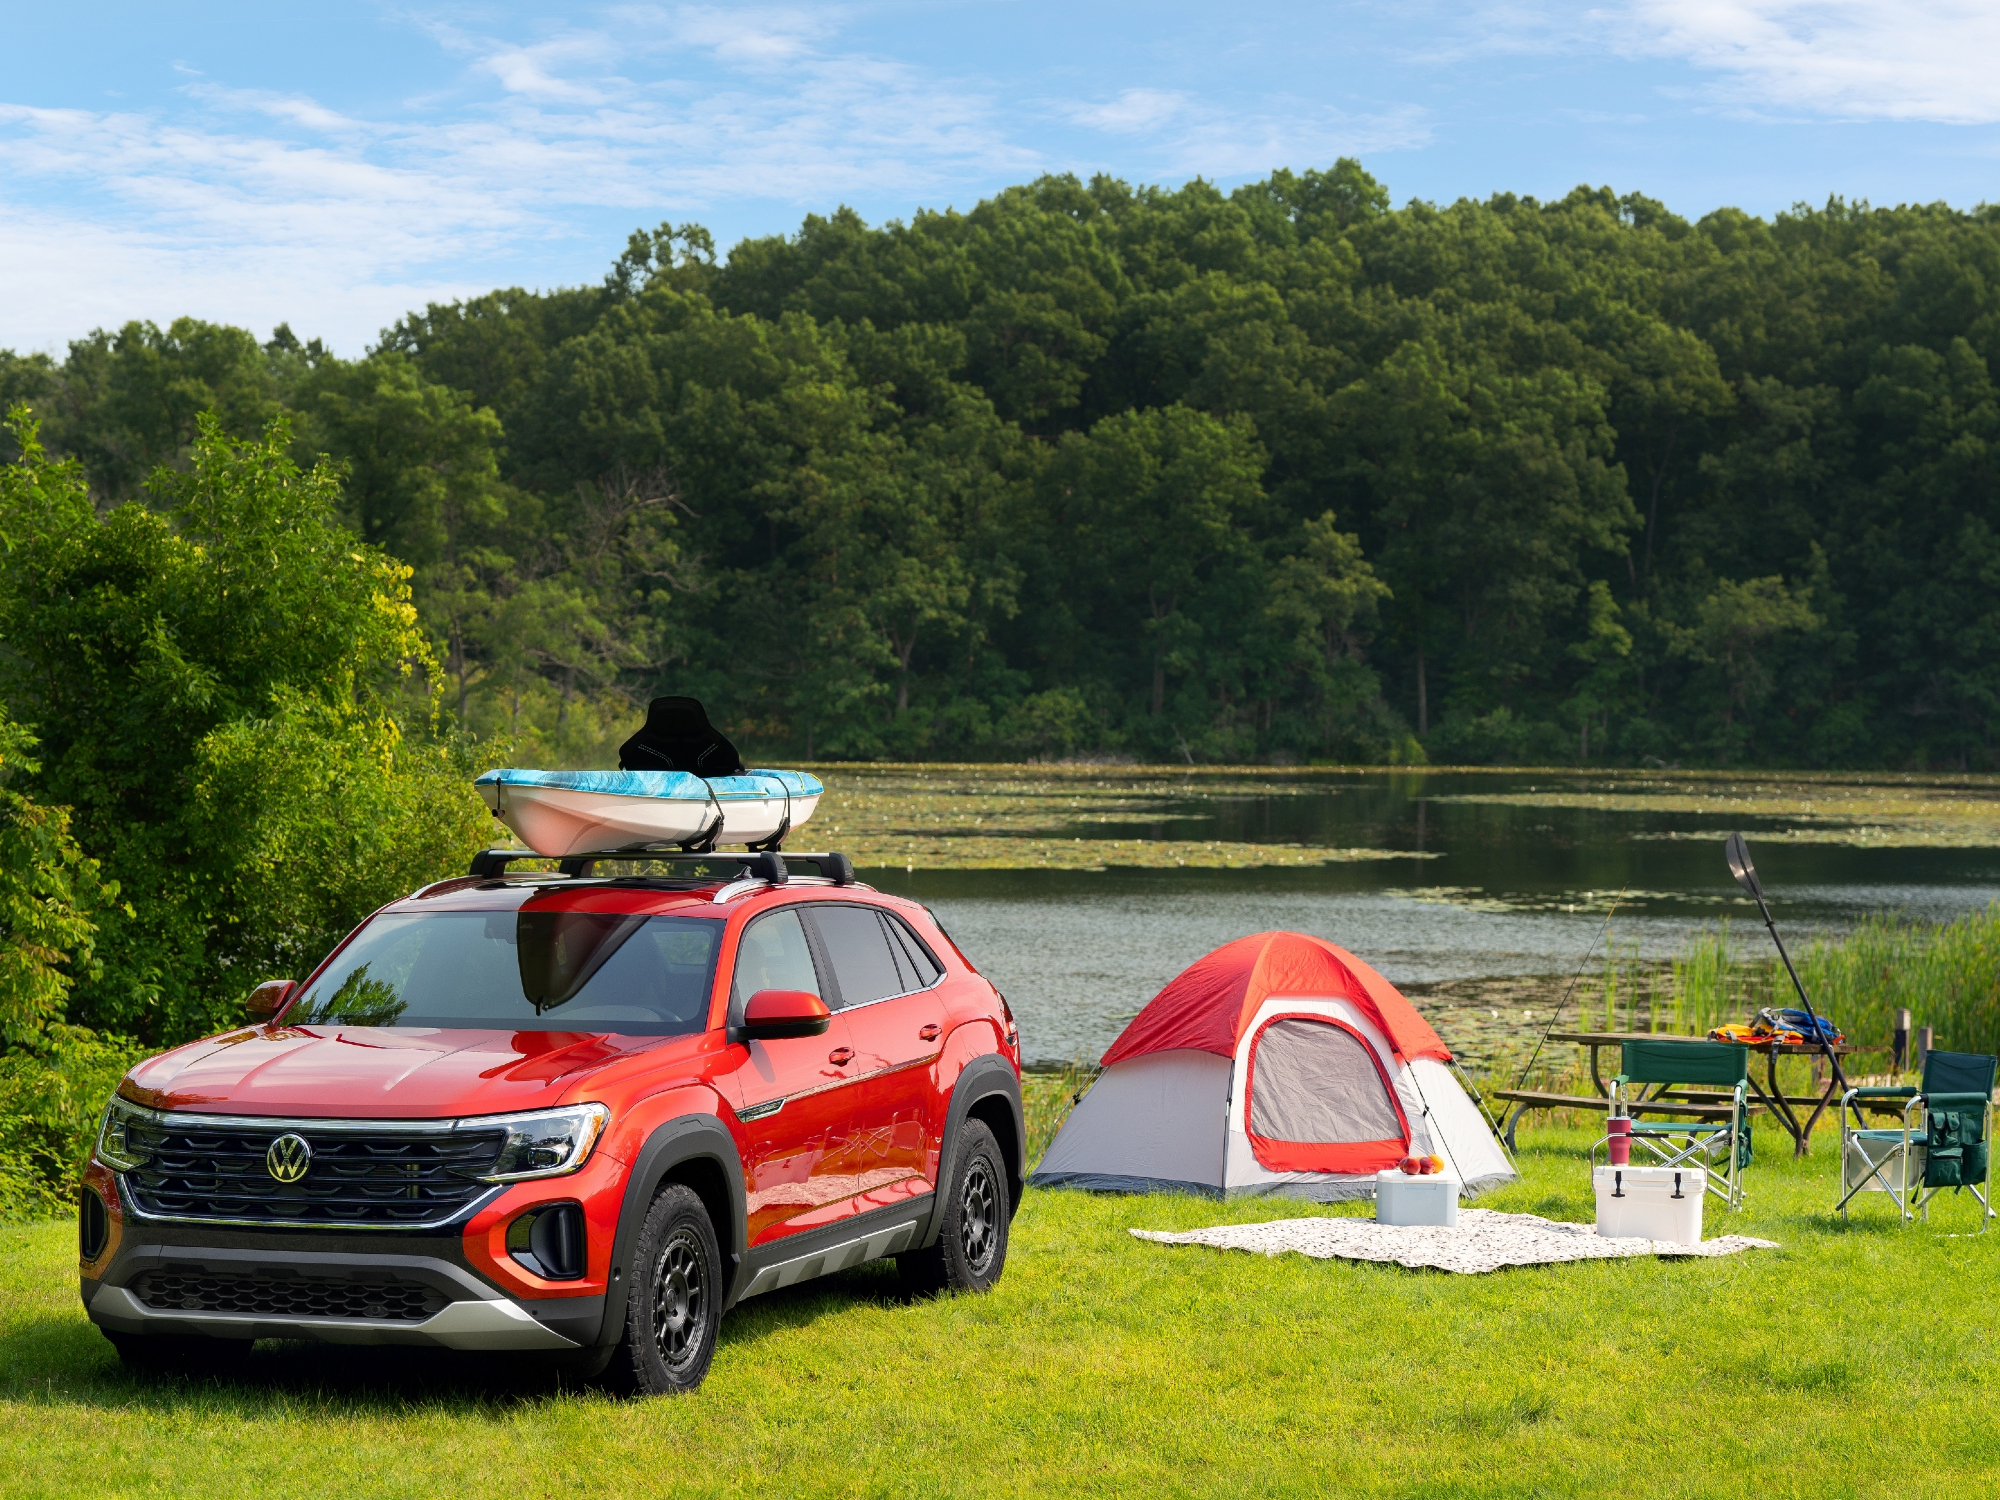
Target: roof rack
column 759, row 864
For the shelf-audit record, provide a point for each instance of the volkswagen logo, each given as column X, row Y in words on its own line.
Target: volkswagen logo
column 289, row 1158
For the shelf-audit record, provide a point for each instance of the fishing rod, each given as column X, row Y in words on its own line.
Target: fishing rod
column 1737, row 852
column 1556, row 1015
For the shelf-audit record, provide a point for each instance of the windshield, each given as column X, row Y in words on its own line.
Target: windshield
column 521, row 971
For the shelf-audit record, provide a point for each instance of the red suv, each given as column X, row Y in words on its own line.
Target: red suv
column 573, row 1112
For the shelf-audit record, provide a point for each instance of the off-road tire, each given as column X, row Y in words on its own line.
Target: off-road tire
column 971, row 1248
column 161, row 1354
column 674, row 1308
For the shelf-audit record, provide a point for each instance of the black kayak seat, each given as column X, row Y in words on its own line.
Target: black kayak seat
column 678, row 737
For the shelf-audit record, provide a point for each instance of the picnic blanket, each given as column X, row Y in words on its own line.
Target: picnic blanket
column 1485, row 1240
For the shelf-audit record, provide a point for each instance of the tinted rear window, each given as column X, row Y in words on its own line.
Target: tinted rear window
column 863, row 964
column 521, row 971
column 922, row 968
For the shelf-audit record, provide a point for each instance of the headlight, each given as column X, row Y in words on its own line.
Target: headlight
column 547, row 1143
column 120, row 1139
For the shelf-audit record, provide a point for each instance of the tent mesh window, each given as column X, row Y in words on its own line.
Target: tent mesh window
column 1314, row 1082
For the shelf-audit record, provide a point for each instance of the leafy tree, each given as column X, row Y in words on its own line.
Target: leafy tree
column 132, row 401
column 49, row 890
column 1157, row 501
column 1605, row 651
column 1326, row 595
column 232, row 633
column 1734, row 629
column 1491, row 488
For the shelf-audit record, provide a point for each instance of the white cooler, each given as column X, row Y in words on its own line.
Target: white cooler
column 1650, row 1203
column 1404, row 1199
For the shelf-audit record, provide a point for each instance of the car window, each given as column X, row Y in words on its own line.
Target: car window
column 772, row 955
column 864, row 966
column 924, row 969
column 529, row 970
column 906, row 972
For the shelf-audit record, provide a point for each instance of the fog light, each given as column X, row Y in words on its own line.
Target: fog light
column 550, row 1241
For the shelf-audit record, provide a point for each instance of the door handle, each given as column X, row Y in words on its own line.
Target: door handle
column 840, row 1057
column 928, row 1031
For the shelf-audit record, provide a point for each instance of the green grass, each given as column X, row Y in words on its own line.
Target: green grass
column 1858, row 1360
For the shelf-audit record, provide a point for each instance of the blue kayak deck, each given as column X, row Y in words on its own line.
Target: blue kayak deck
column 666, row 786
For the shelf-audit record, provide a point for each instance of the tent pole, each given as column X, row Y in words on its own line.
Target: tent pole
column 1431, row 1123
column 1484, row 1113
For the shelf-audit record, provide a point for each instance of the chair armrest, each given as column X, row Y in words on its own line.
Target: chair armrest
column 1954, row 1101
column 1881, row 1093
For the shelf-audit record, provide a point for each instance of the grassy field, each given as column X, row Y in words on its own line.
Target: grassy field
column 1857, row 1360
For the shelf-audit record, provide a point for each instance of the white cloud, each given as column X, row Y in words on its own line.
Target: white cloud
column 745, row 36
column 1132, row 111
column 252, row 205
column 1292, row 132
column 535, row 72
column 296, row 109
column 67, row 274
column 1195, row 137
column 1936, row 60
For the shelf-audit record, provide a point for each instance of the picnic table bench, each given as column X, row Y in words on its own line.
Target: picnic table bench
column 1700, row 1106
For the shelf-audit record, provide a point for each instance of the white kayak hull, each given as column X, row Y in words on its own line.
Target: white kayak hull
column 561, row 814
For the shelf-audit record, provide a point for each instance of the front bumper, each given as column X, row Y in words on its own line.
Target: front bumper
column 472, row 1315
column 228, row 1282
column 486, row 1324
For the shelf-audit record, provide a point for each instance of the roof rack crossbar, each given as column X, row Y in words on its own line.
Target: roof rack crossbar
column 765, row 864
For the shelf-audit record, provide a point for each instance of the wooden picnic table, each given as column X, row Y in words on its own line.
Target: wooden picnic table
column 1784, row 1108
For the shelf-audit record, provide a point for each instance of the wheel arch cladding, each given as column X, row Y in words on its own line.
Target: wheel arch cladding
column 704, row 1174
column 987, row 1091
column 993, row 1113
column 698, row 1151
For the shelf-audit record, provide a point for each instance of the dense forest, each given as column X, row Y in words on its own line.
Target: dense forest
column 1280, row 474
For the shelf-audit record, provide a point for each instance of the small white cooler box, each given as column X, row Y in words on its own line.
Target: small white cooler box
column 1651, row 1203
column 1402, row 1198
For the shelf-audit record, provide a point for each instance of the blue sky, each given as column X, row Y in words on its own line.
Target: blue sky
column 336, row 164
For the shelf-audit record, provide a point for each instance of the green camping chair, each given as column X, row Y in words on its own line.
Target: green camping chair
column 1716, row 1065
column 1942, row 1142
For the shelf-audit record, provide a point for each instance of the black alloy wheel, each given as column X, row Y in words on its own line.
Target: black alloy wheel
column 978, row 1217
column 674, row 1309
column 971, row 1250
column 679, row 1296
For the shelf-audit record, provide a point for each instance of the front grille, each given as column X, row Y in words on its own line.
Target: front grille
column 284, row 1297
column 208, row 1170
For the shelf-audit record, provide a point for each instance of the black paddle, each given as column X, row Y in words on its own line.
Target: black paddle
column 1738, row 854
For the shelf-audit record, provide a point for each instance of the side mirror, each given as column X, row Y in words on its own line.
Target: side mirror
column 780, row 1013
column 270, row 997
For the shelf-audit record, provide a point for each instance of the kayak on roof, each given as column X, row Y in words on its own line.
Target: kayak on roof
column 680, row 782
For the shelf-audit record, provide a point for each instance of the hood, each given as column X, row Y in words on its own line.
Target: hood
column 368, row 1072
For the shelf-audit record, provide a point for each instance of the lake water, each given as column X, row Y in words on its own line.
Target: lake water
column 1511, row 894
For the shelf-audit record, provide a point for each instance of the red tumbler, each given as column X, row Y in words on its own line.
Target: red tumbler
column 1620, row 1142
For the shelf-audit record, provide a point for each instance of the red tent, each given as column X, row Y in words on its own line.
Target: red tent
column 1279, row 1063
column 1214, row 999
